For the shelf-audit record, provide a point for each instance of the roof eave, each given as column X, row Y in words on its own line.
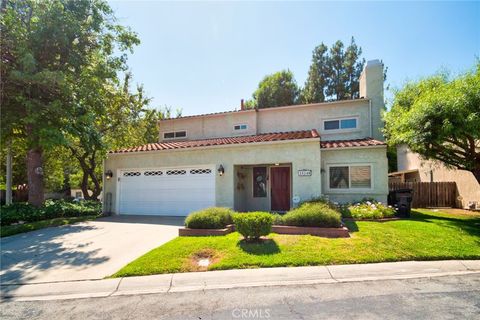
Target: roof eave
column 234, row 145
column 223, row 113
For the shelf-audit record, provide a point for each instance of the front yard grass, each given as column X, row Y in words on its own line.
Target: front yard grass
column 11, row 230
column 427, row 235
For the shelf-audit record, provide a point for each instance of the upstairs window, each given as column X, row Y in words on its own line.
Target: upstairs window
column 239, row 127
column 340, row 124
column 175, row 134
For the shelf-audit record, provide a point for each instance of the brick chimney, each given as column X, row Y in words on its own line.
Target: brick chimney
column 242, row 105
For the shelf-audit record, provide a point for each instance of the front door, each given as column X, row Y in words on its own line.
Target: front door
column 280, row 184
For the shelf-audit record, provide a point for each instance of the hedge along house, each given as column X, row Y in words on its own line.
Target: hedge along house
column 268, row 159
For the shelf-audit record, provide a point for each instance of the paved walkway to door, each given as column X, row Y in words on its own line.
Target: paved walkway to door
column 87, row 250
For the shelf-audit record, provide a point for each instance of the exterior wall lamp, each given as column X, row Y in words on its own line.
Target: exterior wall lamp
column 108, row 174
column 221, row 170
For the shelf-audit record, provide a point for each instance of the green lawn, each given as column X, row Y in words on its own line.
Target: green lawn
column 428, row 235
column 6, row 231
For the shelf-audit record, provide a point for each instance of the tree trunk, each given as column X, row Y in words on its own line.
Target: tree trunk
column 8, row 192
column 84, row 185
column 35, row 176
column 476, row 173
column 97, row 188
column 67, row 189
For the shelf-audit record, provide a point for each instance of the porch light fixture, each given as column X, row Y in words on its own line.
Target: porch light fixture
column 108, row 174
column 221, row 170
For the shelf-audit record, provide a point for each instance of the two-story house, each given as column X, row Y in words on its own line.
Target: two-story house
column 268, row 159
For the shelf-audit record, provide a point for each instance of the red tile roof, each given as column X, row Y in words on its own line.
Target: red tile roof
column 266, row 137
column 263, row 109
column 366, row 142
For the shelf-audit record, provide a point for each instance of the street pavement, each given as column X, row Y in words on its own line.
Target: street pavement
column 440, row 297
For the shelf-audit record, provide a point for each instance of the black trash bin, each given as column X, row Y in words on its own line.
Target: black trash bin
column 403, row 201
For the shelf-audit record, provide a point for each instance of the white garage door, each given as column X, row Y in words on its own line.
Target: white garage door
column 166, row 191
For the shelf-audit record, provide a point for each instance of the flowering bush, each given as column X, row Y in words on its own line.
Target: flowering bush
column 367, row 210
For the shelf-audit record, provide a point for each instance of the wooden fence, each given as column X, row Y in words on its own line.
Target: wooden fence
column 429, row 194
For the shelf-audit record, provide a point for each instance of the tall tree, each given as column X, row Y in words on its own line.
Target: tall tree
column 334, row 73
column 46, row 45
column 314, row 90
column 105, row 117
column 439, row 119
column 353, row 67
column 278, row 89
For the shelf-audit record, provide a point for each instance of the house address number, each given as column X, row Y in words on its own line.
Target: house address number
column 304, row 173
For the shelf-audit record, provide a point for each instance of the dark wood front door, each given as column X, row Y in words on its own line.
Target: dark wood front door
column 280, row 184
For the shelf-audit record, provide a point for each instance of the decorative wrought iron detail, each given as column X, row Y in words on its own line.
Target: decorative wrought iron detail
column 131, row 174
column 153, row 173
column 176, row 172
column 200, row 171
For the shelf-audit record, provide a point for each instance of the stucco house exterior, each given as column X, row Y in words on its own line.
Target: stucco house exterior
column 412, row 168
column 257, row 159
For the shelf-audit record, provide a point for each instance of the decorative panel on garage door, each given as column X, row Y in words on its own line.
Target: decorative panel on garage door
column 166, row 191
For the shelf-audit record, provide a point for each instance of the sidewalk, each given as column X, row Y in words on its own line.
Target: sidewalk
column 199, row 281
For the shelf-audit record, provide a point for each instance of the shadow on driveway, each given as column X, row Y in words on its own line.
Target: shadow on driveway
column 86, row 250
column 24, row 255
column 163, row 220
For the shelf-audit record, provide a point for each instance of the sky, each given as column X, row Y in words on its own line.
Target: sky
column 204, row 57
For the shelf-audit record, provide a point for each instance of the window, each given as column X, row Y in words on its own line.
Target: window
column 360, row 177
column 152, row 173
column 338, row 177
column 350, row 177
column 174, row 134
column 240, row 127
column 176, row 172
column 259, row 182
column 200, row 171
column 340, row 124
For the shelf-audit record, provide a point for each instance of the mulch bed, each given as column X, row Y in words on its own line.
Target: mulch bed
column 186, row 232
column 314, row 231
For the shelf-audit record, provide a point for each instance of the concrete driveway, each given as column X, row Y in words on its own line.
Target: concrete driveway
column 87, row 250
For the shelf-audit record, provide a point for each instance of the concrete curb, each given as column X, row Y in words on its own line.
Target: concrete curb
column 228, row 279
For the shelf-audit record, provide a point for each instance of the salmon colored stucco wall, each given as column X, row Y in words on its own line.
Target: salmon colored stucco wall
column 300, row 154
column 376, row 157
column 430, row 171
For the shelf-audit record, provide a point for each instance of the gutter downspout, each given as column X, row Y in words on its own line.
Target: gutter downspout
column 370, row 116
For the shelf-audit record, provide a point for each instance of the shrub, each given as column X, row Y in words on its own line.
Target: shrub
column 62, row 208
column 315, row 214
column 368, row 210
column 253, row 225
column 210, row 218
column 20, row 211
column 17, row 212
column 277, row 219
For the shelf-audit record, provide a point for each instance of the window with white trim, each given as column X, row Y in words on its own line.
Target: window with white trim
column 174, row 134
column 350, row 177
column 239, row 127
column 340, row 124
